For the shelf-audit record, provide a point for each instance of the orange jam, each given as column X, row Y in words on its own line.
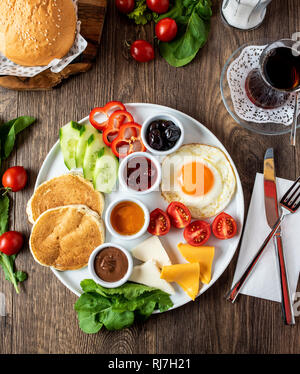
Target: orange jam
column 127, row 218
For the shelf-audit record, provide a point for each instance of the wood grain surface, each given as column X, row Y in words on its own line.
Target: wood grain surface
column 41, row 319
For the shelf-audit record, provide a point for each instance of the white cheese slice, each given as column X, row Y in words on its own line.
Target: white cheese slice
column 149, row 274
column 152, row 249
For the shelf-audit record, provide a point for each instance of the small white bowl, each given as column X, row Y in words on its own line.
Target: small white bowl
column 167, row 117
column 127, row 237
column 103, row 283
column 156, row 163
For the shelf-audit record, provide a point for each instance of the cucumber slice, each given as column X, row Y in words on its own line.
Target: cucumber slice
column 94, row 145
column 85, row 133
column 68, row 138
column 106, row 171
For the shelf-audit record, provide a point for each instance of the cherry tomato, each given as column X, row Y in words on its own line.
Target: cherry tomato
column 224, row 226
column 11, row 242
column 159, row 223
column 142, row 51
column 15, row 178
column 179, row 214
column 158, row 6
column 125, row 6
column 197, row 233
column 166, row 29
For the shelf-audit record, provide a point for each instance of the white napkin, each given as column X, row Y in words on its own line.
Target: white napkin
column 264, row 281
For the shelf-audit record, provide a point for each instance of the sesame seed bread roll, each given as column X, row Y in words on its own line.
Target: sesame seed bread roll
column 34, row 32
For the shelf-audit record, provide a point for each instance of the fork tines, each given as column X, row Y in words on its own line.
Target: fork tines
column 291, row 199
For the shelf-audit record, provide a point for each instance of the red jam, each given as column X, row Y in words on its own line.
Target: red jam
column 140, row 173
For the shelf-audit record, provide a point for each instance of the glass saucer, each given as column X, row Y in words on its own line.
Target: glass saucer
column 267, row 128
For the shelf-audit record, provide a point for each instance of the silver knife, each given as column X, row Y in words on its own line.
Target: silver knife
column 272, row 215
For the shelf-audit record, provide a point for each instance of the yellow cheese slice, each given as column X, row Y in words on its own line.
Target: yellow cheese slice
column 203, row 255
column 149, row 274
column 186, row 275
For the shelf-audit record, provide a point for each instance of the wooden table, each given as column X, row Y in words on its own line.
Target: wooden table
column 41, row 319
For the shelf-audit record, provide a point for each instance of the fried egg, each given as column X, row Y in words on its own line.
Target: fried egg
column 199, row 176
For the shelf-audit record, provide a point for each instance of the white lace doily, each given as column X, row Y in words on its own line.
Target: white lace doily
column 236, row 76
column 8, row 67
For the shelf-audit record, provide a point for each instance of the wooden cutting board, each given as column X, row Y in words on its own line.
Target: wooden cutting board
column 91, row 13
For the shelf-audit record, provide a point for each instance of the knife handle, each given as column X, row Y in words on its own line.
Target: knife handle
column 235, row 290
column 287, row 308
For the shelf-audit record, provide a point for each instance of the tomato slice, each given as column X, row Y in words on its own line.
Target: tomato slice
column 128, row 140
column 106, row 110
column 159, row 223
column 224, row 226
column 179, row 214
column 116, row 120
column 197, row 233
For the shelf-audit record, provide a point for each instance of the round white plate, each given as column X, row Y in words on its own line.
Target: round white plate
column 195, row 132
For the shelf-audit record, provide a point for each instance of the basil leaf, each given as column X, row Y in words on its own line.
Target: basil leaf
column 4, row 130
column 9, row 142
column 8, row 133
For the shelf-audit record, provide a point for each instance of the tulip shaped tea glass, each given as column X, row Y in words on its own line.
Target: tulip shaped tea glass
column 278, row 75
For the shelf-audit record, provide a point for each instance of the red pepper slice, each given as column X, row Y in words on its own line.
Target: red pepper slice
column 116, row 120
column 128, row 141
column 111, row 105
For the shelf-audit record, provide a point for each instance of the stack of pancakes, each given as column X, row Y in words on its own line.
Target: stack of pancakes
column 67, row 225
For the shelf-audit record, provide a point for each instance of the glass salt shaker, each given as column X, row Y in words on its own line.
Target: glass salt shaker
column 244, row 14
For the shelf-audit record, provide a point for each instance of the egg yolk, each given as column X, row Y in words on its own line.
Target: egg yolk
column 195, row 179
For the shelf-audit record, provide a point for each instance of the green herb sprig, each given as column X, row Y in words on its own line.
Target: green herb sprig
column 8, row 133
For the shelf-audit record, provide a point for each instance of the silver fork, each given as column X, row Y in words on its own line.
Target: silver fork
column 290, row 202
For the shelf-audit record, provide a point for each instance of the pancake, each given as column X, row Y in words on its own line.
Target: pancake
column 67, row 189
column 64, row 237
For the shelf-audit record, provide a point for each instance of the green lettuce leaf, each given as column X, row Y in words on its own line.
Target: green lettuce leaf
column 117, row 308
column 128, row 290
column 193, row 21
